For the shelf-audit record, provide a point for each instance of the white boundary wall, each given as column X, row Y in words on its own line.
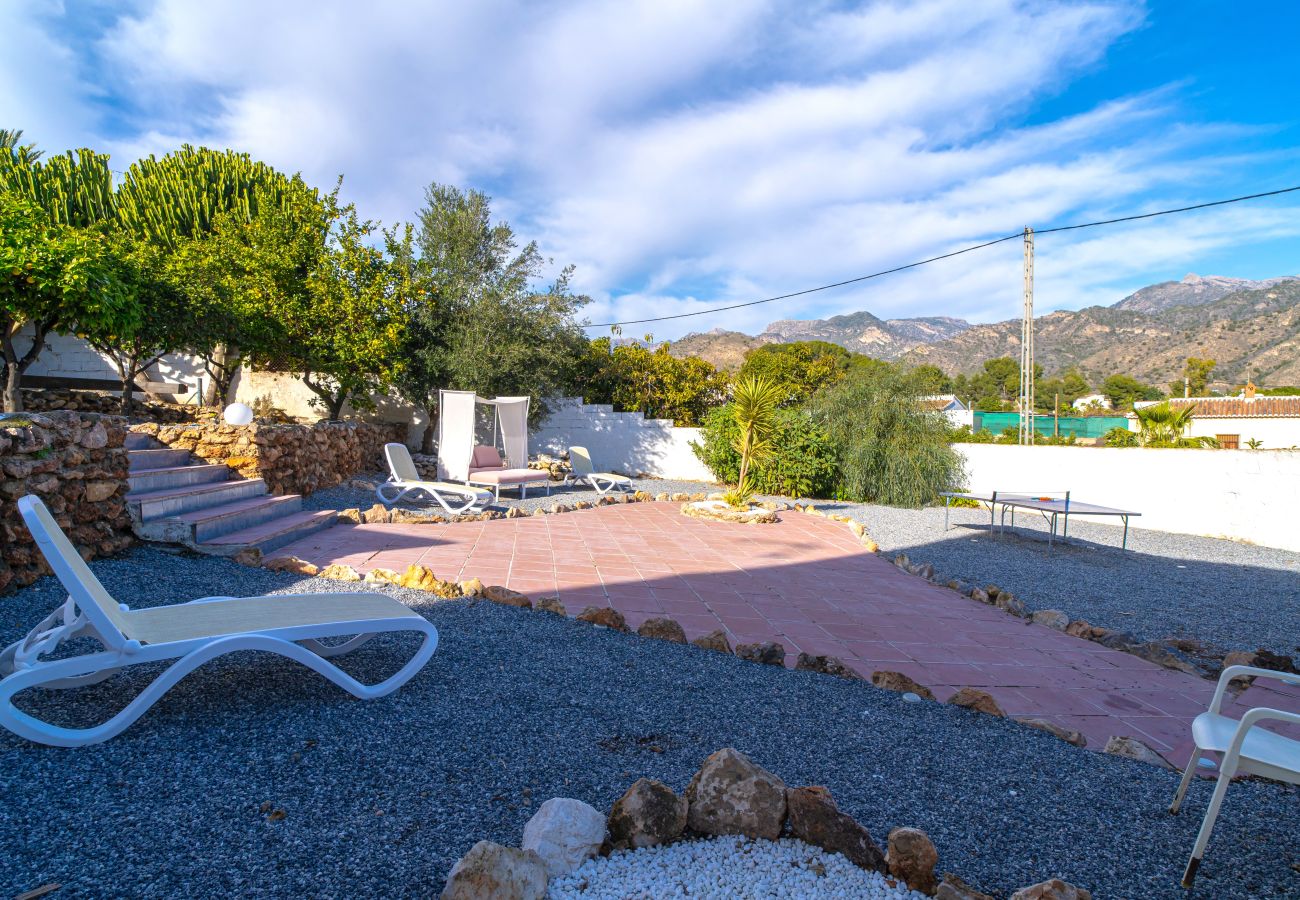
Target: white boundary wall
column 1247, row 495
column 627, row 443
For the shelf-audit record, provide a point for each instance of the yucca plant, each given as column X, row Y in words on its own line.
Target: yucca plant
column 755, row 402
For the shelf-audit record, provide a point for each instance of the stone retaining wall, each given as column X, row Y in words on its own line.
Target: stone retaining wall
column 76, row 464
column 106, row 403
column 292, row 459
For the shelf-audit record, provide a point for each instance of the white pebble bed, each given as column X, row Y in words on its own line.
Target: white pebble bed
column 725, row 868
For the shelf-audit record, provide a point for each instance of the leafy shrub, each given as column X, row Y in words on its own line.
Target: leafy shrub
column 801, row 464
column 1120, row 437
column 964, row 435
column 890, row 449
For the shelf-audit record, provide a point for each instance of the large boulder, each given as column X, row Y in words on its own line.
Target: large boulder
column 492, row 872
column 912, row 858
column 565, row 833
column 1053, row 889
column 730, row 794
column 815, row 819
column 647, row 815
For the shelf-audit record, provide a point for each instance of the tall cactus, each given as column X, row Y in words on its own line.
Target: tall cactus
column 74, row 188
column 184, row 193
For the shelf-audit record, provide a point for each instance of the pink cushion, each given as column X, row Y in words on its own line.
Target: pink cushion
column 508, row 476
column 486, row 457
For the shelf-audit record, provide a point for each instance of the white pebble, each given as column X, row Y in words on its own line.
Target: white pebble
column 725, row 868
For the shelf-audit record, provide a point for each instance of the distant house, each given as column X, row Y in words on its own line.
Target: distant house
column 1273, row 421
column 957, row 412
column 1096, row 400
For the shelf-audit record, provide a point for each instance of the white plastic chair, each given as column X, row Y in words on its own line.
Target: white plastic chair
column 601, row 482
column 1244, row 750
column 292, row 625
column 404, row 480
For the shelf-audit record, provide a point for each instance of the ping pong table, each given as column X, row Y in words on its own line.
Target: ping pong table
column 1055, row 508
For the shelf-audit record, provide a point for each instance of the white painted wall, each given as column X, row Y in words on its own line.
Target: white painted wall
column 627, row 443
column 1276, row 432
column 1248, row 495
column 68, row 356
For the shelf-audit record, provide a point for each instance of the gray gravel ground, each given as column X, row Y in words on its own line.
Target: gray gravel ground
column 1232, row 595
column 381, row 797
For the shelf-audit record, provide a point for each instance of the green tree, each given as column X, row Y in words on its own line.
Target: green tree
column 757, row 399
column 1164, row 425
column 798, row 369
column 803, row 462
column 11, row 141
column 1196, row 377
column 931, row 379
column 53, row 279
column 1124, row 390
column 997, row 386
column 478, row 321
column 1068, row 387
column 658, row 384
column 890, row 449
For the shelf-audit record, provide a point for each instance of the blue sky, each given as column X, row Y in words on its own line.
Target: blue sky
column 685, row 155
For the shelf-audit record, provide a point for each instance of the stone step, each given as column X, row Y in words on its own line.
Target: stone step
column 175, row 477
column 151, row 505
column 212, row 522
column 157, row 458
column 135, row 441
column 270, row 536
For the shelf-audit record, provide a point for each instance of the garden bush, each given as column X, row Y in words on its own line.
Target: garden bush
column 802, row 462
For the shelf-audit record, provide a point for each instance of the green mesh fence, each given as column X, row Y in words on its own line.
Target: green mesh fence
column 1080, row 426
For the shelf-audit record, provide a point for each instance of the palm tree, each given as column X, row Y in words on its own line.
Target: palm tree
column 1163, row 425
column 23, row 153
column 755, row 403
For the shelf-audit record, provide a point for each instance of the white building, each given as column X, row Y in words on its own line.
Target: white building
column 1235, row 421
column 957, row 412
column 1098, row 400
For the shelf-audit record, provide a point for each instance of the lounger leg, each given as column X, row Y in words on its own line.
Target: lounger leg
column 1188, row 772
column 1207, row 824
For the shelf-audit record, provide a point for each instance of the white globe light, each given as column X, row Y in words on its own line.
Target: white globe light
column 239, row 414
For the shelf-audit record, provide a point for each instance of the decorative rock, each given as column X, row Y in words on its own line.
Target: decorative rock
column 664, row 629
column 827, row 665
column 953, row 888
column 291, row 564
column 980, row 594
column 902, row 561
column 1163, row 655
column 870, row 546
column 340, row 572
column 565, row 833
column 249, row 556
column 768, row 653
column 471, row 587
column 648, row 814
column 719, row 511
column 992, row 590
column 551, row 605
column 492, row 872
column 1081, row 628
column 980, row 701
column 897, row 681
column 1054, row 889
column 1052, row 618
column 515, row 512
column 912, row 858
column 418, row 578
column 815, row 819
column 730, row 794
column 377, row 514
column 352, row 514
column 605, row 616
column 1011, row 604
column 1116, row 640
column 714, row 640
column 506, row 597
column 1065, row 734
column 1132, row 748
column 380, row 575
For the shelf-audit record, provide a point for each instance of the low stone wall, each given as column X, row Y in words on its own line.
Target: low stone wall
column 292, row 459
column 105, row 403
column 76, row 464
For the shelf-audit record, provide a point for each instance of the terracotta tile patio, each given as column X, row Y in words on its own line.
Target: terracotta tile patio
column 807, row 583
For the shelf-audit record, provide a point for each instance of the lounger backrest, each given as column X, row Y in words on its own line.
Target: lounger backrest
column 486, row 457
column 89, row 595
column 580, row 460
column 400, row 463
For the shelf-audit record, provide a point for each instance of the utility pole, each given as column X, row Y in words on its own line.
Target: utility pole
column 1027, row 346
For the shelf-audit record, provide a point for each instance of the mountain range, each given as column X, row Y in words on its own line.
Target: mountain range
column 1251, row 328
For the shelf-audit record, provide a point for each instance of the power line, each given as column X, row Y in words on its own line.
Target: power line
column 933, row 259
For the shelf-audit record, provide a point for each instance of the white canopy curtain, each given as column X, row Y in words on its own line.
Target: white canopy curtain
column 456, row 412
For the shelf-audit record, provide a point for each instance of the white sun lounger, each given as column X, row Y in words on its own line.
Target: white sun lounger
column 601, row 482
column 292, row 625
column 1243, row 748
column 404, row 480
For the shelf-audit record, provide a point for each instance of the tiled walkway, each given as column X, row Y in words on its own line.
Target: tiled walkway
column 807, row 583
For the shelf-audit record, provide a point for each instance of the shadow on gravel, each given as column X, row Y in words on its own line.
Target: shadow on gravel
column 256, row 777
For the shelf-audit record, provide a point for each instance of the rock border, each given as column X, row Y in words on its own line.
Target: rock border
column 715, row 510
column 730, row 794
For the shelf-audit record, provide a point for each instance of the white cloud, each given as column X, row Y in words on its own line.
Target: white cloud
column 683, row 155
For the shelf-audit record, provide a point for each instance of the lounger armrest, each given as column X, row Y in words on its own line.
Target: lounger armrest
column 1254, row 717
column 1231, row 672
